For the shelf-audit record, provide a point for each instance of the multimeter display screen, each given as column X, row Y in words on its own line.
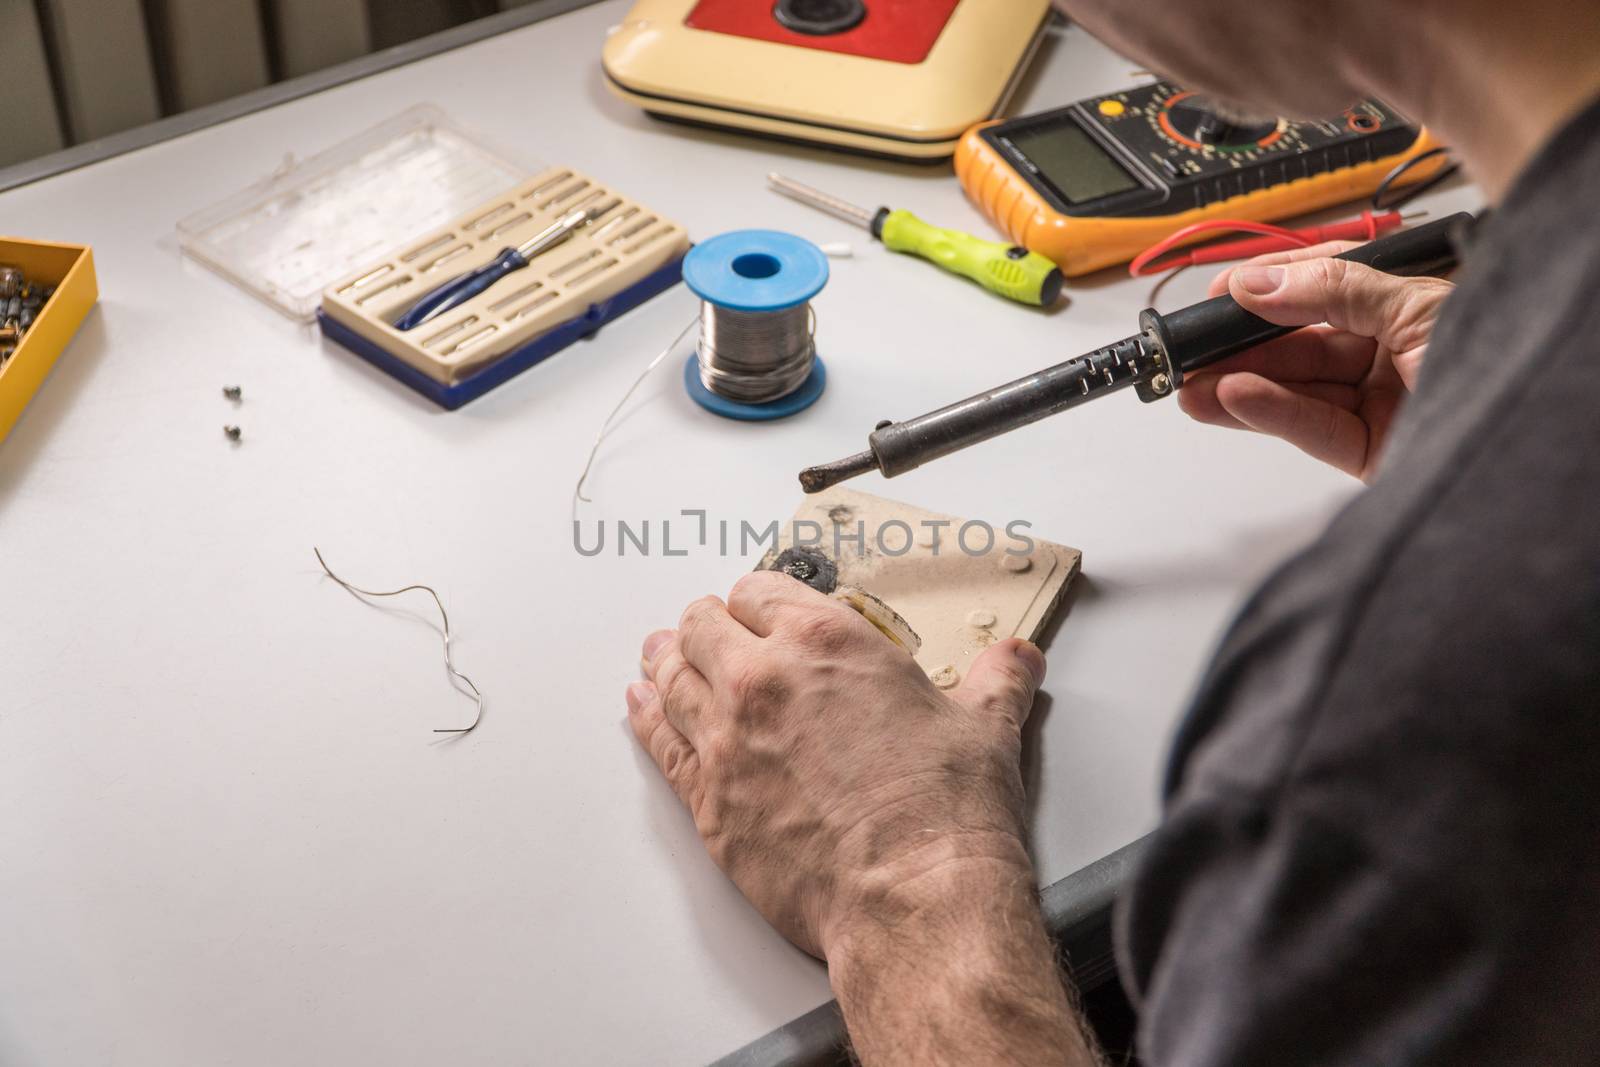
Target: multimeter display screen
column 1069, row 159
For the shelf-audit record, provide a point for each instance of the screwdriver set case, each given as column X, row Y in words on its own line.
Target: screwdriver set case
column 355, row 236
column 614, row 263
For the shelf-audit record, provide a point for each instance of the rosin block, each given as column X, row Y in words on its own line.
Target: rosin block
column 70, row 269
column 957, row 585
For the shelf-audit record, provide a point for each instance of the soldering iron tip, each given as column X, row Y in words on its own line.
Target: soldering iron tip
column 816, row 479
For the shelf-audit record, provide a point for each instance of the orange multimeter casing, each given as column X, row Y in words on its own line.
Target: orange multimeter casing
column 1096, row 183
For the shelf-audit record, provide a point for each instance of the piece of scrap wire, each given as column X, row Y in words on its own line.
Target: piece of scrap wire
column 449, row 664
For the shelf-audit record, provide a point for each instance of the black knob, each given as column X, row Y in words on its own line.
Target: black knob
column 819, row 17
column 1194, row 118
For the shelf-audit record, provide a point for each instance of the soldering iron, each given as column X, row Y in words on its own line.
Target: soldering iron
column 1154, row 361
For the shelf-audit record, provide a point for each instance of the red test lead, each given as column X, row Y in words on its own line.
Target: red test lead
column 1271, row 239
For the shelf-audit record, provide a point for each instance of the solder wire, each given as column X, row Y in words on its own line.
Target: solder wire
column 605, row 427
column 736, row 358
column 755, row 357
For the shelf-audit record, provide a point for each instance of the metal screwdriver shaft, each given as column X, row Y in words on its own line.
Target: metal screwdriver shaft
column 464, row 287
column 1009, row 270
column 839, row 209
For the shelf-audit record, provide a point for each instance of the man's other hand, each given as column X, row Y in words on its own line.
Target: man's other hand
column 1332, row 390
column 838, row 788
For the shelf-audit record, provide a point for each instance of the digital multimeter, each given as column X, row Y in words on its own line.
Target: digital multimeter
column 1096, row 183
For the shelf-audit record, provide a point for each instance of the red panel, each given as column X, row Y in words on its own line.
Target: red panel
column 900, row 31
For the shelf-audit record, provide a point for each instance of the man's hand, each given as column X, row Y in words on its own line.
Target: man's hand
column 872, row 819
column 1331, row 390
column 822, row 768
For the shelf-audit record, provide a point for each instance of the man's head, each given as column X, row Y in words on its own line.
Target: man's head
column 1256, row 57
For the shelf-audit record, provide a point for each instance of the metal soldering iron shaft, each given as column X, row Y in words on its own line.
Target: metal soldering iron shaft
column 816, row 479
column 898, row 447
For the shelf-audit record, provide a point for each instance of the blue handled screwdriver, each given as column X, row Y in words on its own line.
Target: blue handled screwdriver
column 464, row 287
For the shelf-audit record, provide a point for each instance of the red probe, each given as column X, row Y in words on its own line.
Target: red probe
column 1272, row 239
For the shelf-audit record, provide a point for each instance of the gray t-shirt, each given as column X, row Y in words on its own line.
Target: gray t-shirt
column 1382, row 831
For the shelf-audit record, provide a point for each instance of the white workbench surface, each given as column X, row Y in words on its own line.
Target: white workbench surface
column 227, row 835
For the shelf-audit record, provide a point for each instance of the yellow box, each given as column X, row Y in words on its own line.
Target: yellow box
column 70, row 268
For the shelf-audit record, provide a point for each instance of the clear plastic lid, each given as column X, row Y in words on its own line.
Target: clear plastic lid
column 289, row 237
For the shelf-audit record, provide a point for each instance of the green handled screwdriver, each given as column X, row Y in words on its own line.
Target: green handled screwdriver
column 1010, row 270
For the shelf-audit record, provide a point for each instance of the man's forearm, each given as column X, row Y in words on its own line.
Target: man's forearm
column 955, row 967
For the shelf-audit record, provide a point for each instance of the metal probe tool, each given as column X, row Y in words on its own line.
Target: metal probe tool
column 1153, row 361
column 1010, row 270
column 464, row 287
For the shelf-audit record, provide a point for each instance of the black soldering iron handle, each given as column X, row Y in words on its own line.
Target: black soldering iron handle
column 1202, row 334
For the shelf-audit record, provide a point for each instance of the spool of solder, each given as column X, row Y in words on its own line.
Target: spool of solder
column 757, row 356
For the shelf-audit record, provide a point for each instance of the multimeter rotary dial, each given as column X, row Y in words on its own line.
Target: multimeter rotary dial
column 1192, row 121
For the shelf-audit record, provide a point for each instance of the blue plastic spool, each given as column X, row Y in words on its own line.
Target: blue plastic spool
column 755, row 270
